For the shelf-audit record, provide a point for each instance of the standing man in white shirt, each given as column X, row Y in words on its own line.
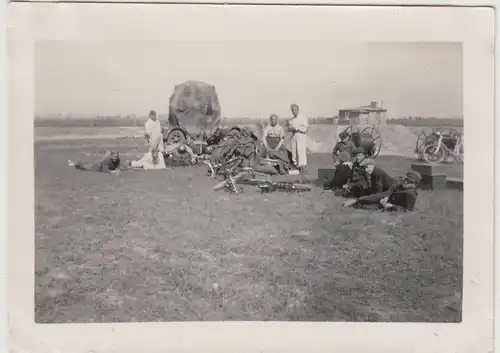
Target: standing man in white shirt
column 153, row 131
column 298, row 126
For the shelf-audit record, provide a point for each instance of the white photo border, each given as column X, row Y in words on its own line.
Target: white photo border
column 473, row 27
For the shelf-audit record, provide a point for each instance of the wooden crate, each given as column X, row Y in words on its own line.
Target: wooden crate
column 433, row 175
column 455, row 183
column 325, row 175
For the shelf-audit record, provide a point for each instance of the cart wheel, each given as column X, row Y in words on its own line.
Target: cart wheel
column 176, row 136
column 351, row 129
column 376, row 139
column 235, row 132
column 433, row 155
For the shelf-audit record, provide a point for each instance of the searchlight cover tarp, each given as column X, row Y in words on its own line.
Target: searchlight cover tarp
column 195, row 103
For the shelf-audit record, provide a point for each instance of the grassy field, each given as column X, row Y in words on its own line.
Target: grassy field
column 162, row 246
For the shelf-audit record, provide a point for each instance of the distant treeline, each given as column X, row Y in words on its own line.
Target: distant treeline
column 419, row 121
column 130, row 121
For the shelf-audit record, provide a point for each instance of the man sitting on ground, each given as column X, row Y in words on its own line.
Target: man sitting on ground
column 380, row 181
column 341, row 174
column 273, row 137
column 276, row 156
column 110, row 163
column 400, row 197
column 359, row 181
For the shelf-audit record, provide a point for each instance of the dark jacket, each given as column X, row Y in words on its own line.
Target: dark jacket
column 403, row 198
column 105, row 165
column 340, row 176
column 359, row 176
column 380, row 181
column 359, row 181
column 342, row 146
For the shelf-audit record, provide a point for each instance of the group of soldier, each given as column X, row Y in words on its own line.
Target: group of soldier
column 155, row 158
column 355, row 175
column 357, row 178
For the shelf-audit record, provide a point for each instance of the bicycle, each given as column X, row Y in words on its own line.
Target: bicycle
column 445, row 146
column 248, row 176
column 229, row 165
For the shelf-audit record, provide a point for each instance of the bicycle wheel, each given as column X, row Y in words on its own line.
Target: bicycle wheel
column 422, row 141
column 224, row 183
column 230, row 164
column 433, row 155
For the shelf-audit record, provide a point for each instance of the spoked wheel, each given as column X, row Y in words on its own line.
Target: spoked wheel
column 422, row 140
column 351, row 129
column 425, row 138
column 226, row 184
column 459, row 158
column 176, row 136
column 235, row 132
column 433, row 155
column 460, row 155
column 231, row 164
column 370, row 138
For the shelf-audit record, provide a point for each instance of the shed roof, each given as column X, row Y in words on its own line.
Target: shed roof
column 365, row 109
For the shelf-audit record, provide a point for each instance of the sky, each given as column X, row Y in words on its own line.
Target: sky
column 252, row 78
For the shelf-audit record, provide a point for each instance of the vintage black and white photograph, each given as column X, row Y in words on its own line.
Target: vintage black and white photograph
column 180, row 181
column 186, row 178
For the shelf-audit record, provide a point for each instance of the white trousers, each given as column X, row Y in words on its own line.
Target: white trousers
column 146, row 162
column 156, row 142
column 299, row 149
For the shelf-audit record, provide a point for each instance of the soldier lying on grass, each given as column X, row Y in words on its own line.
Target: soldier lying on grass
column 110, row 163
column 152, row 160
column 402, row 196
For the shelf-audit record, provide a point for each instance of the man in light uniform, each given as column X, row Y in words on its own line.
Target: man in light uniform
column 298, row 126
column 152, row 160
column 154, row 133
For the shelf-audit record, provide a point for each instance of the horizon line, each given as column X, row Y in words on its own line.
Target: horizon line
column 133, row 116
